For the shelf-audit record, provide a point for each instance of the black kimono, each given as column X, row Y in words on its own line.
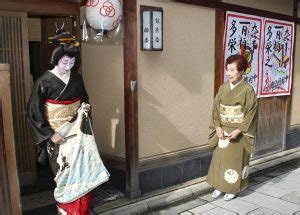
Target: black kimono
column 50, row 87
column 49, row 91
column 76, row 163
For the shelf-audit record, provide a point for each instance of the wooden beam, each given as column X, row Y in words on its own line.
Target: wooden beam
column 257, row 12
column 238, row 8
column 131, row 99
column 204, row 3
column 41, row 7
column 219, row 57
column 173, row 157
column 289, row 98
column 83, row 3
column 295, row 9
column 7, row 138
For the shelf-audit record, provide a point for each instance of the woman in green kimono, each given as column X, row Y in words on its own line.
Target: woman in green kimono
column 233, row 127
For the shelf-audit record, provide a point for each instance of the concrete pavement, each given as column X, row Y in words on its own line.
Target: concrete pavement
column 274, row 192
column 268, row 186
column 192, row 194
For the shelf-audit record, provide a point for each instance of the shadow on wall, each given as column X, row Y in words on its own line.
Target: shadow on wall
column 157, row 133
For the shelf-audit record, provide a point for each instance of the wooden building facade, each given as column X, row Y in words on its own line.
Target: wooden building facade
column 166, row 123
column 154, row 135
column 169, row 111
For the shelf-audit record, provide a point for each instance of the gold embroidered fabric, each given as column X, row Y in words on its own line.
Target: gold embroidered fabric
column 231, row 114
column 58, row 114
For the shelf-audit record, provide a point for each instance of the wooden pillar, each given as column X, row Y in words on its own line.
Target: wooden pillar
column 131, row 99
column 289, row 98
column 219, row 58
column 9, row 182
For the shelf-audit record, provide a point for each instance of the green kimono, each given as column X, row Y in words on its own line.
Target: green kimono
column 233, row 109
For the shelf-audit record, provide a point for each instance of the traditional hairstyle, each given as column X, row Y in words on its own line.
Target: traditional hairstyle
column 65, row 45
column 241, row 62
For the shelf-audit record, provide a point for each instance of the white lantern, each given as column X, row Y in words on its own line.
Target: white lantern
column 103, row 14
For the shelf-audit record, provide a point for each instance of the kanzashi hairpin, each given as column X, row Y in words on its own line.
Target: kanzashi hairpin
column 62, row 37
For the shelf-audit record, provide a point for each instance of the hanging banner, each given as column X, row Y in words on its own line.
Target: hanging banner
column 277, row 57
column 243, row 36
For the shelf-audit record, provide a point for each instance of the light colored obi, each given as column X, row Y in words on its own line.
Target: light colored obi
column 60, row 112
column 231, row 114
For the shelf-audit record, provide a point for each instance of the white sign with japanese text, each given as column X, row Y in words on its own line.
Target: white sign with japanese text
column 243, row 36
column 157, row 29
column 277, row 58
column 146, row 30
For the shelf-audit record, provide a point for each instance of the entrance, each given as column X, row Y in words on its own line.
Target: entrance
column 28, row 56
column 37, row 197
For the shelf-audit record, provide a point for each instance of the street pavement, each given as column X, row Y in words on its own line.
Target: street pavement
column 274, row 192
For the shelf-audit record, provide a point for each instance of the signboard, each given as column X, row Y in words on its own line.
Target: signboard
column 243, row 36
column 277, row 58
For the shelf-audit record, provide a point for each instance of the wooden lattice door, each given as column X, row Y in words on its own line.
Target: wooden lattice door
column 14, row 51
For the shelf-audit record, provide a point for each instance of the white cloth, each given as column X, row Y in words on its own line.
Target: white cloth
column 232, row 86
column 223, row 143
column 81, row 168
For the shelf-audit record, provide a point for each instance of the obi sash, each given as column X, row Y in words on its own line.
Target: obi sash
column 59, row 112
column 231, row 114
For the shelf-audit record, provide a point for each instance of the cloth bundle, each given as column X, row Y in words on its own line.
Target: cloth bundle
column 80, row 166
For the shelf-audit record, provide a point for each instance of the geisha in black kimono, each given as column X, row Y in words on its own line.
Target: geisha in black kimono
column 58, row 115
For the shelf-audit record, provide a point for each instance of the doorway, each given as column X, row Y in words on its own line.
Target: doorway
column 37, row 197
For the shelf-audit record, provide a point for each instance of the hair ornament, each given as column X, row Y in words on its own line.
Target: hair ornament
column 62, row 37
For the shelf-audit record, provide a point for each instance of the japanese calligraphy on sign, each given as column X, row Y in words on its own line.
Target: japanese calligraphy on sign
column 146, row 30
column 277, row 58
column 157, row 29
column 243, row 36
column 152, row 28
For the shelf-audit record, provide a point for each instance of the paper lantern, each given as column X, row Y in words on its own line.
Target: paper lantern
column 103, row 14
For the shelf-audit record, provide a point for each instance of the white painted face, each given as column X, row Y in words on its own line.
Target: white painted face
column 65, row 63
column 234, row 76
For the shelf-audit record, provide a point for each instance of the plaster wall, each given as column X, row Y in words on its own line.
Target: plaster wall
column 176, row 85
column 102, row 68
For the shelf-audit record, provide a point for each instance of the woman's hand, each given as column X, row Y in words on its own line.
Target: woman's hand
column 56, row 138
column 234, row 134
column 220, row 132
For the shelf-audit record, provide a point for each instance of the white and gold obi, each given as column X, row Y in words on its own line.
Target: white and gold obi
column 58, row 113
column 231, row 114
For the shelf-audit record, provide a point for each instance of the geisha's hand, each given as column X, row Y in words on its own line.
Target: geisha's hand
column 234, row 134
column 56, row 138
column 220, row 132
column 86, row 108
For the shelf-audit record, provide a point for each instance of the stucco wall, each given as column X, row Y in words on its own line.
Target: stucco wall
column 295, row 116
column 102, row 68
column 278, row 6
column 176, row 85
